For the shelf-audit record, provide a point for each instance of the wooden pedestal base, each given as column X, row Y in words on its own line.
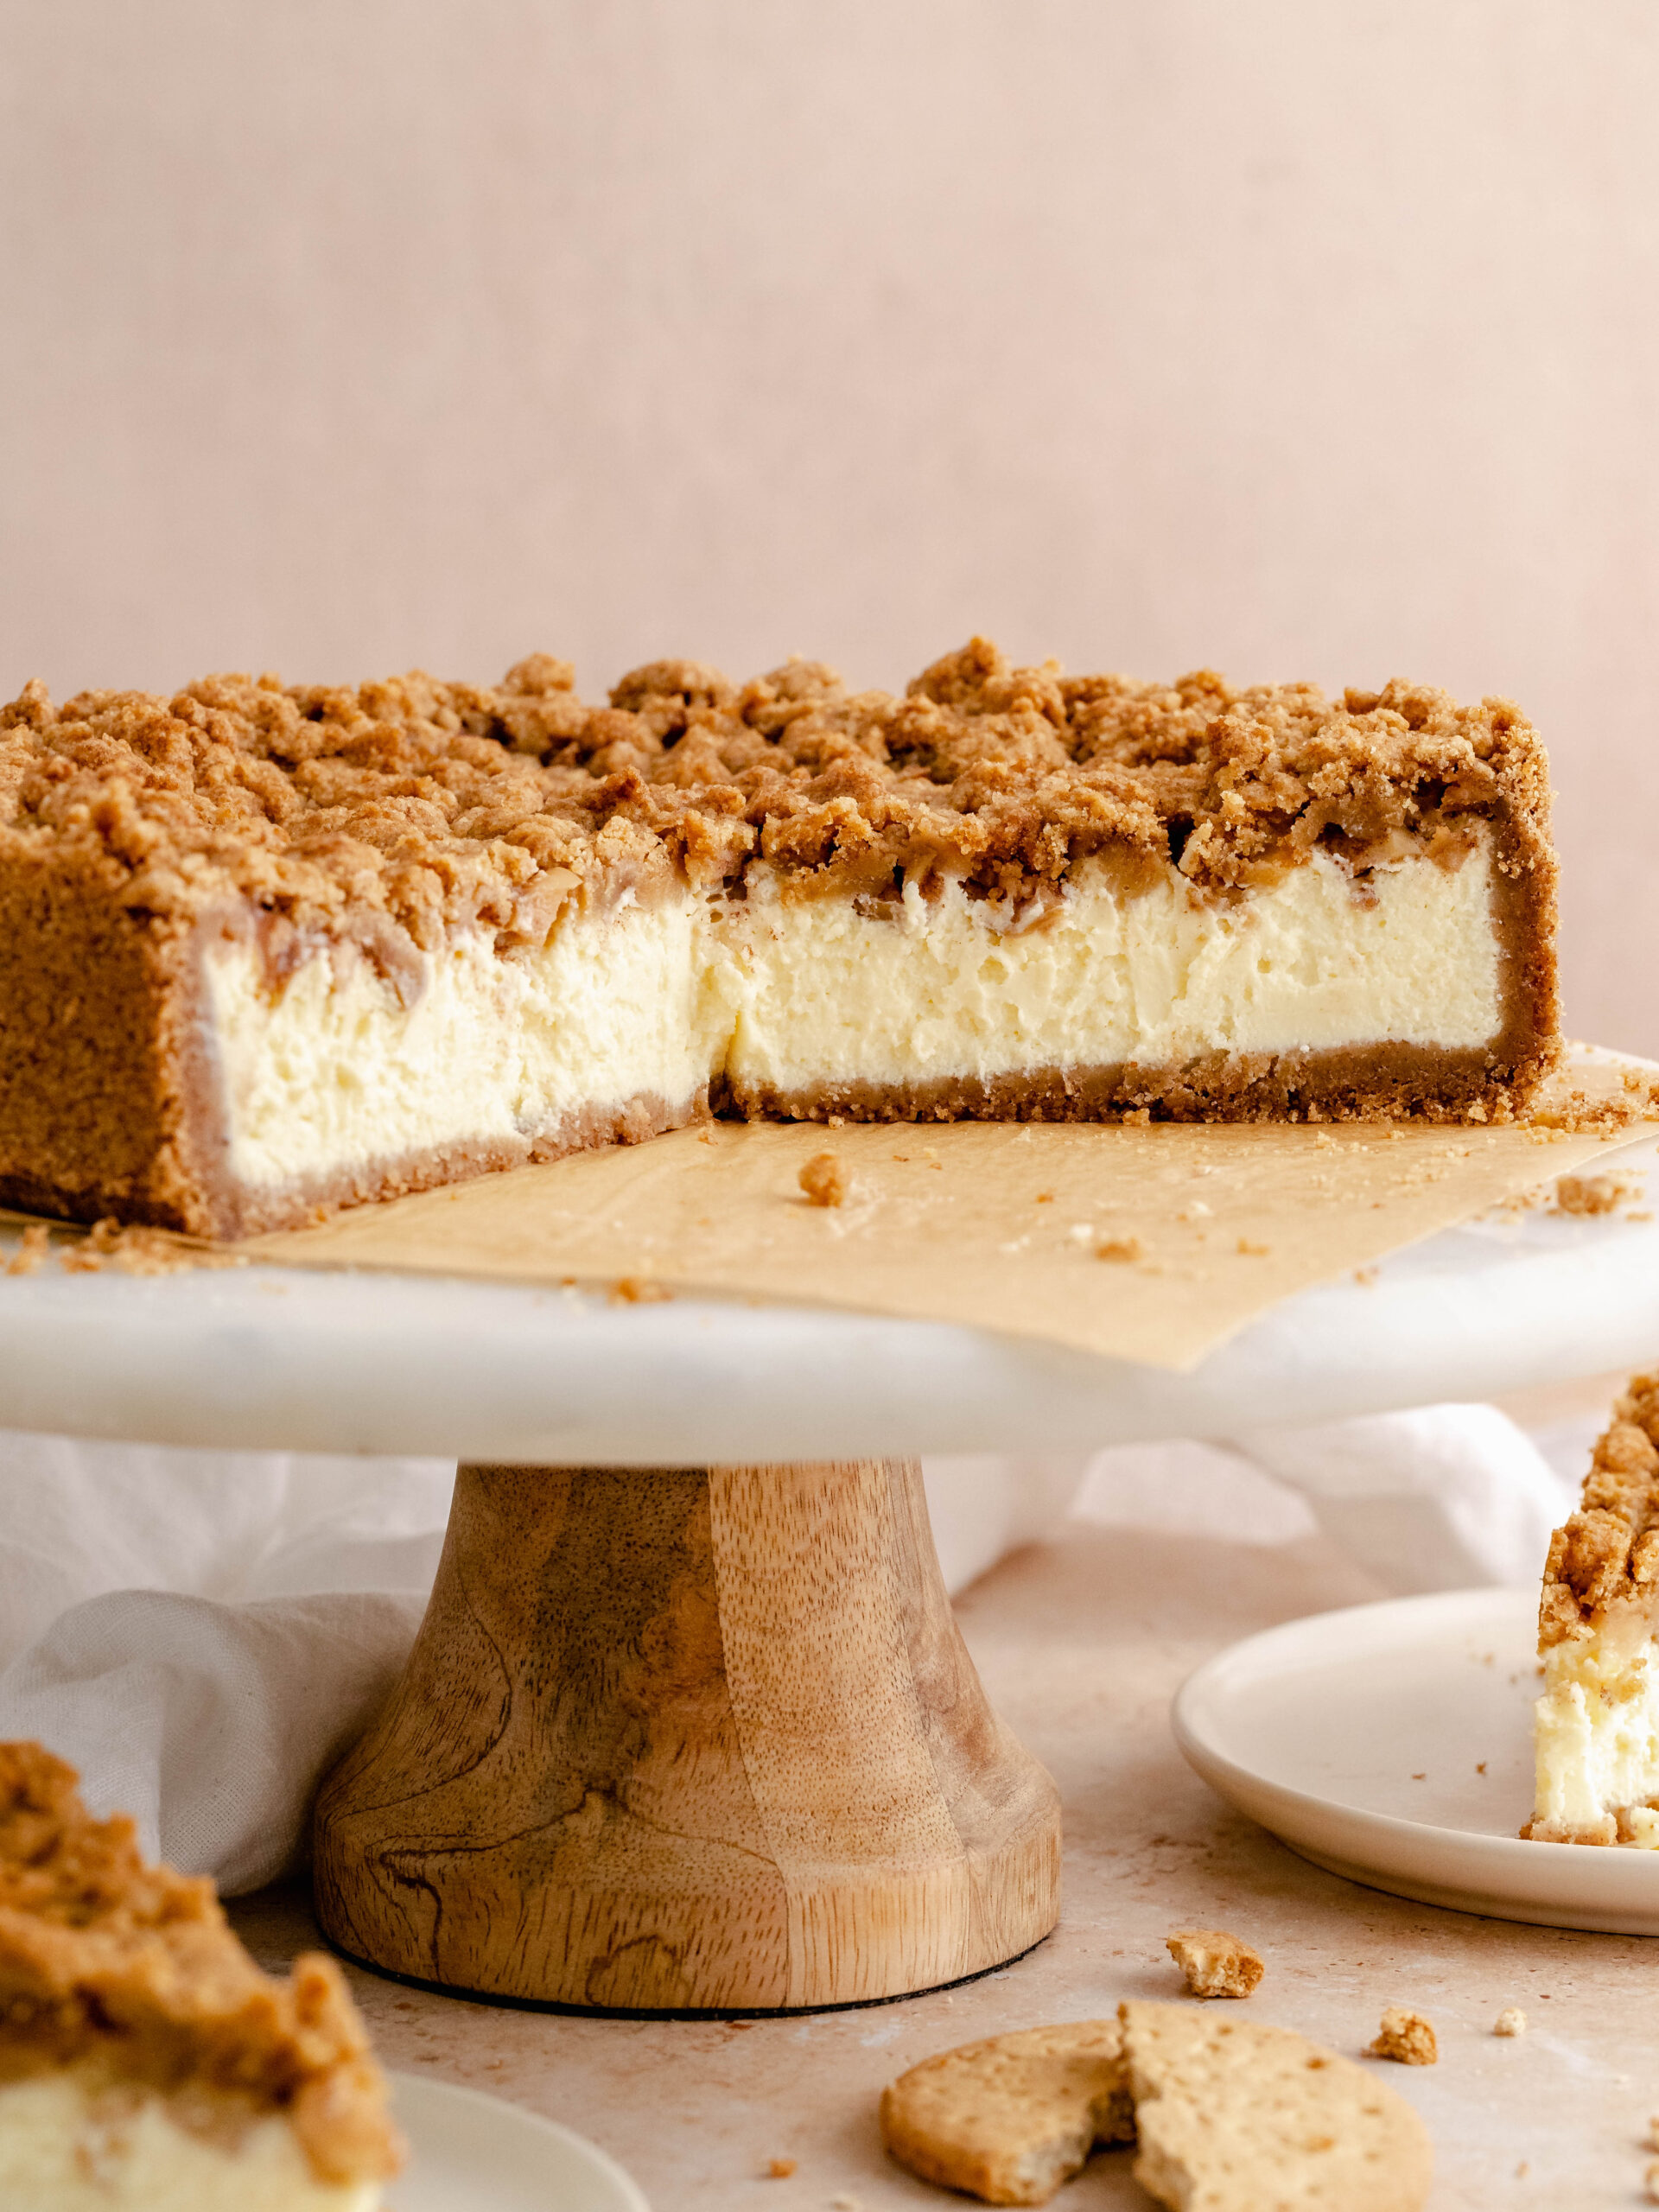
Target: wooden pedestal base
column 688, row 1741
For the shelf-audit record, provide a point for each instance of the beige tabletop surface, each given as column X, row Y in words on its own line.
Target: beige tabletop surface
column 1081, row 1643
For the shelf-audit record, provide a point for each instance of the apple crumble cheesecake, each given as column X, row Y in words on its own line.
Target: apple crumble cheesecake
column 273, row 948
column 1596, row 1727
column 146, row 2063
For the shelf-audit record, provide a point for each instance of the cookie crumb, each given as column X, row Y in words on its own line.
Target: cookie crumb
column 1120, row 1247
column 779, row 2169
column 1250, row 1251
column 823, row 1180
column 1651, row 2179
column 1512, row 2021
column 1589, row 1193
column 1214, row 1963
column 1405, row 2036
column 632, row 1290
column 1140, row 1119
column 140, row 1251
column 35, row 1243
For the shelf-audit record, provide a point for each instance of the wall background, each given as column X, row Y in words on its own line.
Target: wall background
column 1308, row 337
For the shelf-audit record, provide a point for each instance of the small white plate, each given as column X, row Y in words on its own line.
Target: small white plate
column 1359, row 1738
column 473, row 2153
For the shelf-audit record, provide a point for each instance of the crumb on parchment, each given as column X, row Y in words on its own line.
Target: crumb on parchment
column 823, row 1180
column 1512, row 2021
column 1122, row 1249
column 136, row 1250
column 633, row 1290
column 779, row 2169
column 1405, row 2036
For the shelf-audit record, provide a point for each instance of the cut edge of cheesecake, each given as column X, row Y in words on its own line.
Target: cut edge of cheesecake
column 1596, row 1726
column 140, row 2044
column 280, row 950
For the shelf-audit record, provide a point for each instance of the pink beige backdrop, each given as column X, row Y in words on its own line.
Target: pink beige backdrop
column 1303, row 337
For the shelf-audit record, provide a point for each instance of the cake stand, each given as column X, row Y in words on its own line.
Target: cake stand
column 689, row 1727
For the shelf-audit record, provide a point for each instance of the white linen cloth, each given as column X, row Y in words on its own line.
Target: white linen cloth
column 202, row 1633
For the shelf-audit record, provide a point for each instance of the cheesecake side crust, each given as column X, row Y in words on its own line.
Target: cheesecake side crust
column 391, row 817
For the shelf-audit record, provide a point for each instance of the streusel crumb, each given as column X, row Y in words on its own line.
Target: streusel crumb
column 1214, row 1963
column 1405, row 2036
column 823, row 1180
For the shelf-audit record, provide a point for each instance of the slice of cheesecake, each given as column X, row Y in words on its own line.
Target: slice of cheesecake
column 1596, row 1727
column 274, row 948
column 146, row 2063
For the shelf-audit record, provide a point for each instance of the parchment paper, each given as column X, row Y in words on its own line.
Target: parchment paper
column 1001, row 1226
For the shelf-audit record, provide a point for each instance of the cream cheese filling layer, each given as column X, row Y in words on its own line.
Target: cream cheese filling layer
column 71, row 2141
column 332, row 1068
column 1596, row 1736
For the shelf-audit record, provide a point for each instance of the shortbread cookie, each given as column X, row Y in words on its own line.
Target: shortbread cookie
column 1214, row 1963
column 1233, row 2115
column 1010, row 2118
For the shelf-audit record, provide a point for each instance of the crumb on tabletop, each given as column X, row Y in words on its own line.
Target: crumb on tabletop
column 1512, row 2021
column 1122, row 1249
column 779, row 2169
column 1214, row 1963
column 823, row 1180
column 1405, row 2037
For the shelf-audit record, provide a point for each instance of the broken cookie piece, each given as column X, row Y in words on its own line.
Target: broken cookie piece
column 1233, row 2115
column 1214, row 1963
column 1010, row 2118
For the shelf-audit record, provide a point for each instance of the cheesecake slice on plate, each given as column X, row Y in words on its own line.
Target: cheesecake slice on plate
column 1596, row 1727
column 147, row 2064
column 273, row 948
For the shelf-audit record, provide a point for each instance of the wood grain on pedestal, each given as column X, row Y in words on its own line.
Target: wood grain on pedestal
column 700, row 1739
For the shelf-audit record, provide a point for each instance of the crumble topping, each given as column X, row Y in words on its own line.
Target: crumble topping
column 1608, row 1551
column 105, row 1958
column 423, row 806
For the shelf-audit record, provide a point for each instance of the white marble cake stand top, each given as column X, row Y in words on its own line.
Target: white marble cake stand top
column 268, row 1358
